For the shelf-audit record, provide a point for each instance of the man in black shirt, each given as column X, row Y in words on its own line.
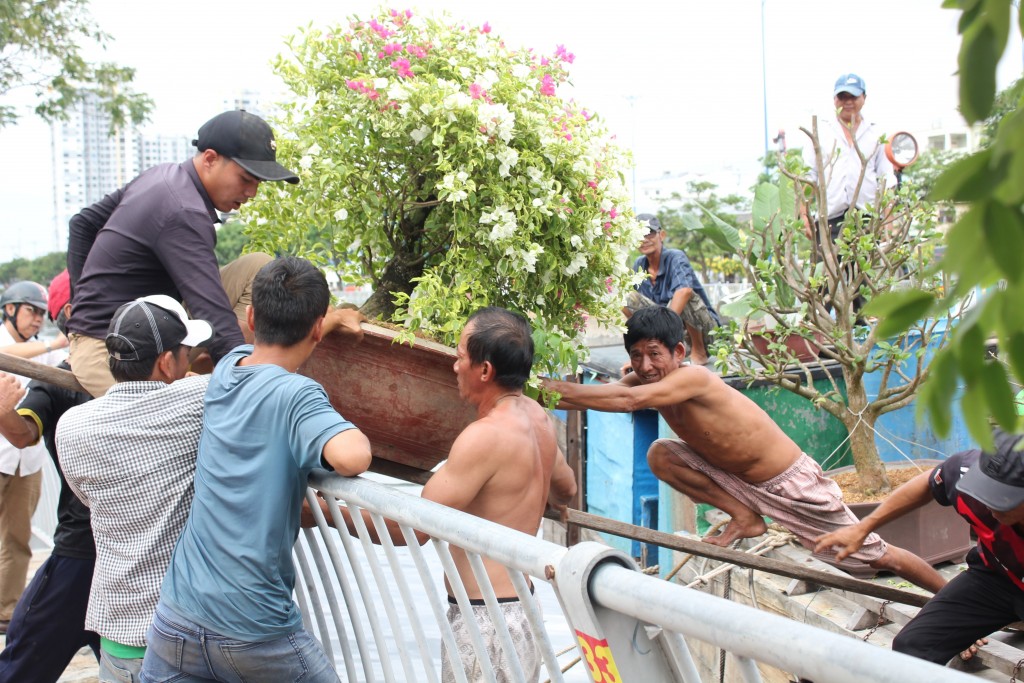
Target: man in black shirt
column 48, row 625
column 156, row 235
column 987, row 490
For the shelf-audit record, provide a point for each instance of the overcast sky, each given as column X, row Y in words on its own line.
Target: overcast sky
column 693, row 71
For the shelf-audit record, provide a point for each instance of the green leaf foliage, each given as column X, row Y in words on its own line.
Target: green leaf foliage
column 40, row 49
column 899, row 310
column 984, row 249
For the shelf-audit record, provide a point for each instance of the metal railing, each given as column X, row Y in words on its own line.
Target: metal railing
column 380, row 611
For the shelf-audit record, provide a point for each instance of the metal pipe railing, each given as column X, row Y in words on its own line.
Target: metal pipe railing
column 629, row 626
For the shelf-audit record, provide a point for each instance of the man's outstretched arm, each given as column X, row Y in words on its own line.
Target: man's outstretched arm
column 910, row 496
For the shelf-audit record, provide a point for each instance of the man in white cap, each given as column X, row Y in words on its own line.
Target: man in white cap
column 157, row 234
column 987, row 490
column 130, row 456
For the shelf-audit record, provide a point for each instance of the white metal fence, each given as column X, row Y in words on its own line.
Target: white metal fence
column 376, row 608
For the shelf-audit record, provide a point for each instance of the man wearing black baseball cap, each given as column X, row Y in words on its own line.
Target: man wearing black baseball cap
column 157, row 235
column 671, row 282
column 987, row 490
column 130, row 455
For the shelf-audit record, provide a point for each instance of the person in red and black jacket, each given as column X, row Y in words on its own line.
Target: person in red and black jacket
column 987, row 490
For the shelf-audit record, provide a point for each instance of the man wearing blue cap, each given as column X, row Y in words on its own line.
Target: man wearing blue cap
column 987, row 490
column 841, row 138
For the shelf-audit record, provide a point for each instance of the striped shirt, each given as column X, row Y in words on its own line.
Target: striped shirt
column 131, row 456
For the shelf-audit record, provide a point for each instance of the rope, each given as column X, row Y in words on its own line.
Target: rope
column 690, row 556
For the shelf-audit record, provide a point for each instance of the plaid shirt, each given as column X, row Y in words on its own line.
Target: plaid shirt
column 131, row 457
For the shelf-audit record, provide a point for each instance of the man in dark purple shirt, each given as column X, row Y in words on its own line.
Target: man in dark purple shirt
column 156, row 235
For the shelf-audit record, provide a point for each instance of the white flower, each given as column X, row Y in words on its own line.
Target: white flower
column 397, row 91
column 380, row 83
column 507, row 158
column 487, row 79
column 520, row 71
column 579, row 261
column 538, row 202
column 576, row 241
column 341, row 214
column 503, row 223
column 457, row 100
column 420, row 133
column 465, row 72
column 539, row 300
column 426, row 108
column 305, row 162
column 314, row 150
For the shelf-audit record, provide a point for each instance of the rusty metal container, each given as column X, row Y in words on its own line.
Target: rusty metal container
column 404, row 398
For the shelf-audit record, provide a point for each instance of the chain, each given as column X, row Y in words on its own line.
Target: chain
column 881, row 620
column 1016, row 670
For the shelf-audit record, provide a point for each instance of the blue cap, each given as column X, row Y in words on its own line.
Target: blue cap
column 851, row 83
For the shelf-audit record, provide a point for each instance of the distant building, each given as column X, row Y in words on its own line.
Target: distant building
column 959, row 137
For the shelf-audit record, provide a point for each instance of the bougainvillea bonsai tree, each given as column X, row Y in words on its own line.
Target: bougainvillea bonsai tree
column 443, row 167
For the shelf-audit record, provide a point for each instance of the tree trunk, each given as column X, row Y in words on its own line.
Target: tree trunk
column 397, row 277
column 873, row 478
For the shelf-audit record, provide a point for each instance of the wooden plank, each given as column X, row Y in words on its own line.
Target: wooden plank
column 741, row 559
column 43, row 373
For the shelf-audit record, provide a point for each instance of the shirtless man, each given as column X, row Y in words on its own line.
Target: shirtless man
column 730, row 453
column 505, row 467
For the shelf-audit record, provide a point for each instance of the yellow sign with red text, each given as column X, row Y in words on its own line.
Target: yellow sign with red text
column 598, row 657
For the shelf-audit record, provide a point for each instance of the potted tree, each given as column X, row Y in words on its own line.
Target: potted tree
column 808, row 292
column 800, row 312
column 443, row 167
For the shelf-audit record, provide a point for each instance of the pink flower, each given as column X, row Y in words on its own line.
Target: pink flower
column 547, row 86
column 402, row 67
column 359, row 56
column 392, row 48
column 380, row 30
column 372, row 94
column 585, row 114
column 608, row 284
column 544, row 61
column 568, row 136
column 592, row 183
column 486, row 28
column 476, row 91
column 416, row 51
column 563, row 54
column 354, row 85
column 613, row 213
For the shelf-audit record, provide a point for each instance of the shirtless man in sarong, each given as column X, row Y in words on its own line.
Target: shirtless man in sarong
column 729, row 454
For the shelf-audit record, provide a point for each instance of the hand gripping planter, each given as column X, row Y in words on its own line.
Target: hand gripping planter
column 404, row 398
column 933, row 532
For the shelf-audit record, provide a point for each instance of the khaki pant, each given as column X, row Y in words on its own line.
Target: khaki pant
column 695, row 313
column 88, row 356
column 18, row 498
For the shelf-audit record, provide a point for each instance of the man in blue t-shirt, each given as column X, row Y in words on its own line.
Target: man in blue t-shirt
column 226, row 608
column 671, row 282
